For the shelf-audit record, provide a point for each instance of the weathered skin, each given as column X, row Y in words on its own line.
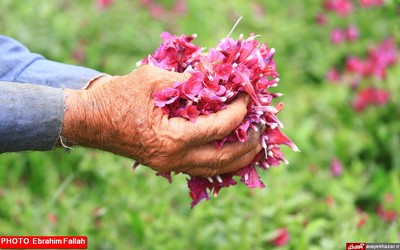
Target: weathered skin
column 117, row 114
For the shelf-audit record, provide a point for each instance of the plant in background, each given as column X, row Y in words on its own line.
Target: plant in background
column 217, row 77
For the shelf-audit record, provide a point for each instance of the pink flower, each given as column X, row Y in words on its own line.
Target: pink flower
column 166, row 176
column 341, row 7
column 192, row 87
column 336, row 167
column 333, row 75
column 386, row 215
column 156, row 10
column 362, row 220
column 321, row 19
column 199, row 186
column 103, row 4
column 330, row 201
column 282, row 237
column 381, row 57
column 165, row 96
column 249, row 176
column 355, row 65
column 370, row 96
column 53, row 218
column 337, row 36
column 180, row 7
column 371, row 3
column 217, row 77
column 351, row 33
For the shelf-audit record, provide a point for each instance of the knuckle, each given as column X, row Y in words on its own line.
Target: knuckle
column 222, row 159
column 219, row 130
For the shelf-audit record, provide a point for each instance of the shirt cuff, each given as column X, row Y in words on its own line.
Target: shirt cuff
column 31, row 117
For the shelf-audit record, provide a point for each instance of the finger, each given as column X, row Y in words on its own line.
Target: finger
column 163, row 77
column 214, row 126
column 208, row 160
column 209, row 171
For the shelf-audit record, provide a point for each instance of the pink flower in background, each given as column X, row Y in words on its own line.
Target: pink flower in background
column 103, row 4
column 282, row 237
column 336, row 167
column 351, row 33
column 321, row 19
column 388, row 198
column 341, row 7
column 330, row 201
column 156, row 10
column 333, row 75
column 380, row 58
column 337, row 36
column 180, row 7
column 355, row 65
column 370, row 96
column 387, row 215
column 79, row 53
column 53, row 218
column 218, row 76
column 159, row 11
column 371, row 3
column 362, row 221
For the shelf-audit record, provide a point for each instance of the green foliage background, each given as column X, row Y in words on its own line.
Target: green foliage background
column 93, row 193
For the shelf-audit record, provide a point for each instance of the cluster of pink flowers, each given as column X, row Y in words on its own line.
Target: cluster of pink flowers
column 385, row 210
column 158, row 11
column 217, row 77
column 379, row 58
column 345, row 7
column 349, row 34
column 371, row 3
column 370, row 96
column 341, row 7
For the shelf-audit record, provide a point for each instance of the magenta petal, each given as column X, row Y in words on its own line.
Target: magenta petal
column 250, row 177
column 224, row 180
column 165, row 96
column 190, row 113
column 241, row 65
column 166, row 175
column 198, row 189
column 192, row 87
column 275, row 136
column 241, row 131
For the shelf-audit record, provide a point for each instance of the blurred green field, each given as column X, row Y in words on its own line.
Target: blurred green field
column 93, row 193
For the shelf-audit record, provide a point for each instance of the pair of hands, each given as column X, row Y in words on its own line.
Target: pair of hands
column 117, row 114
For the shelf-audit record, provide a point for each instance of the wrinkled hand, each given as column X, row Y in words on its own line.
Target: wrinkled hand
column 117, row 114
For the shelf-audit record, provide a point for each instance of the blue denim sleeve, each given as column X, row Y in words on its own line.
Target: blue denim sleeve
column 31, row 96
column 18, row 64
column 30, row 116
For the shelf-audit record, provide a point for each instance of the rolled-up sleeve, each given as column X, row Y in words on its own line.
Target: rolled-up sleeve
column 30, row 117
column 18, row 64
column 31, row 96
